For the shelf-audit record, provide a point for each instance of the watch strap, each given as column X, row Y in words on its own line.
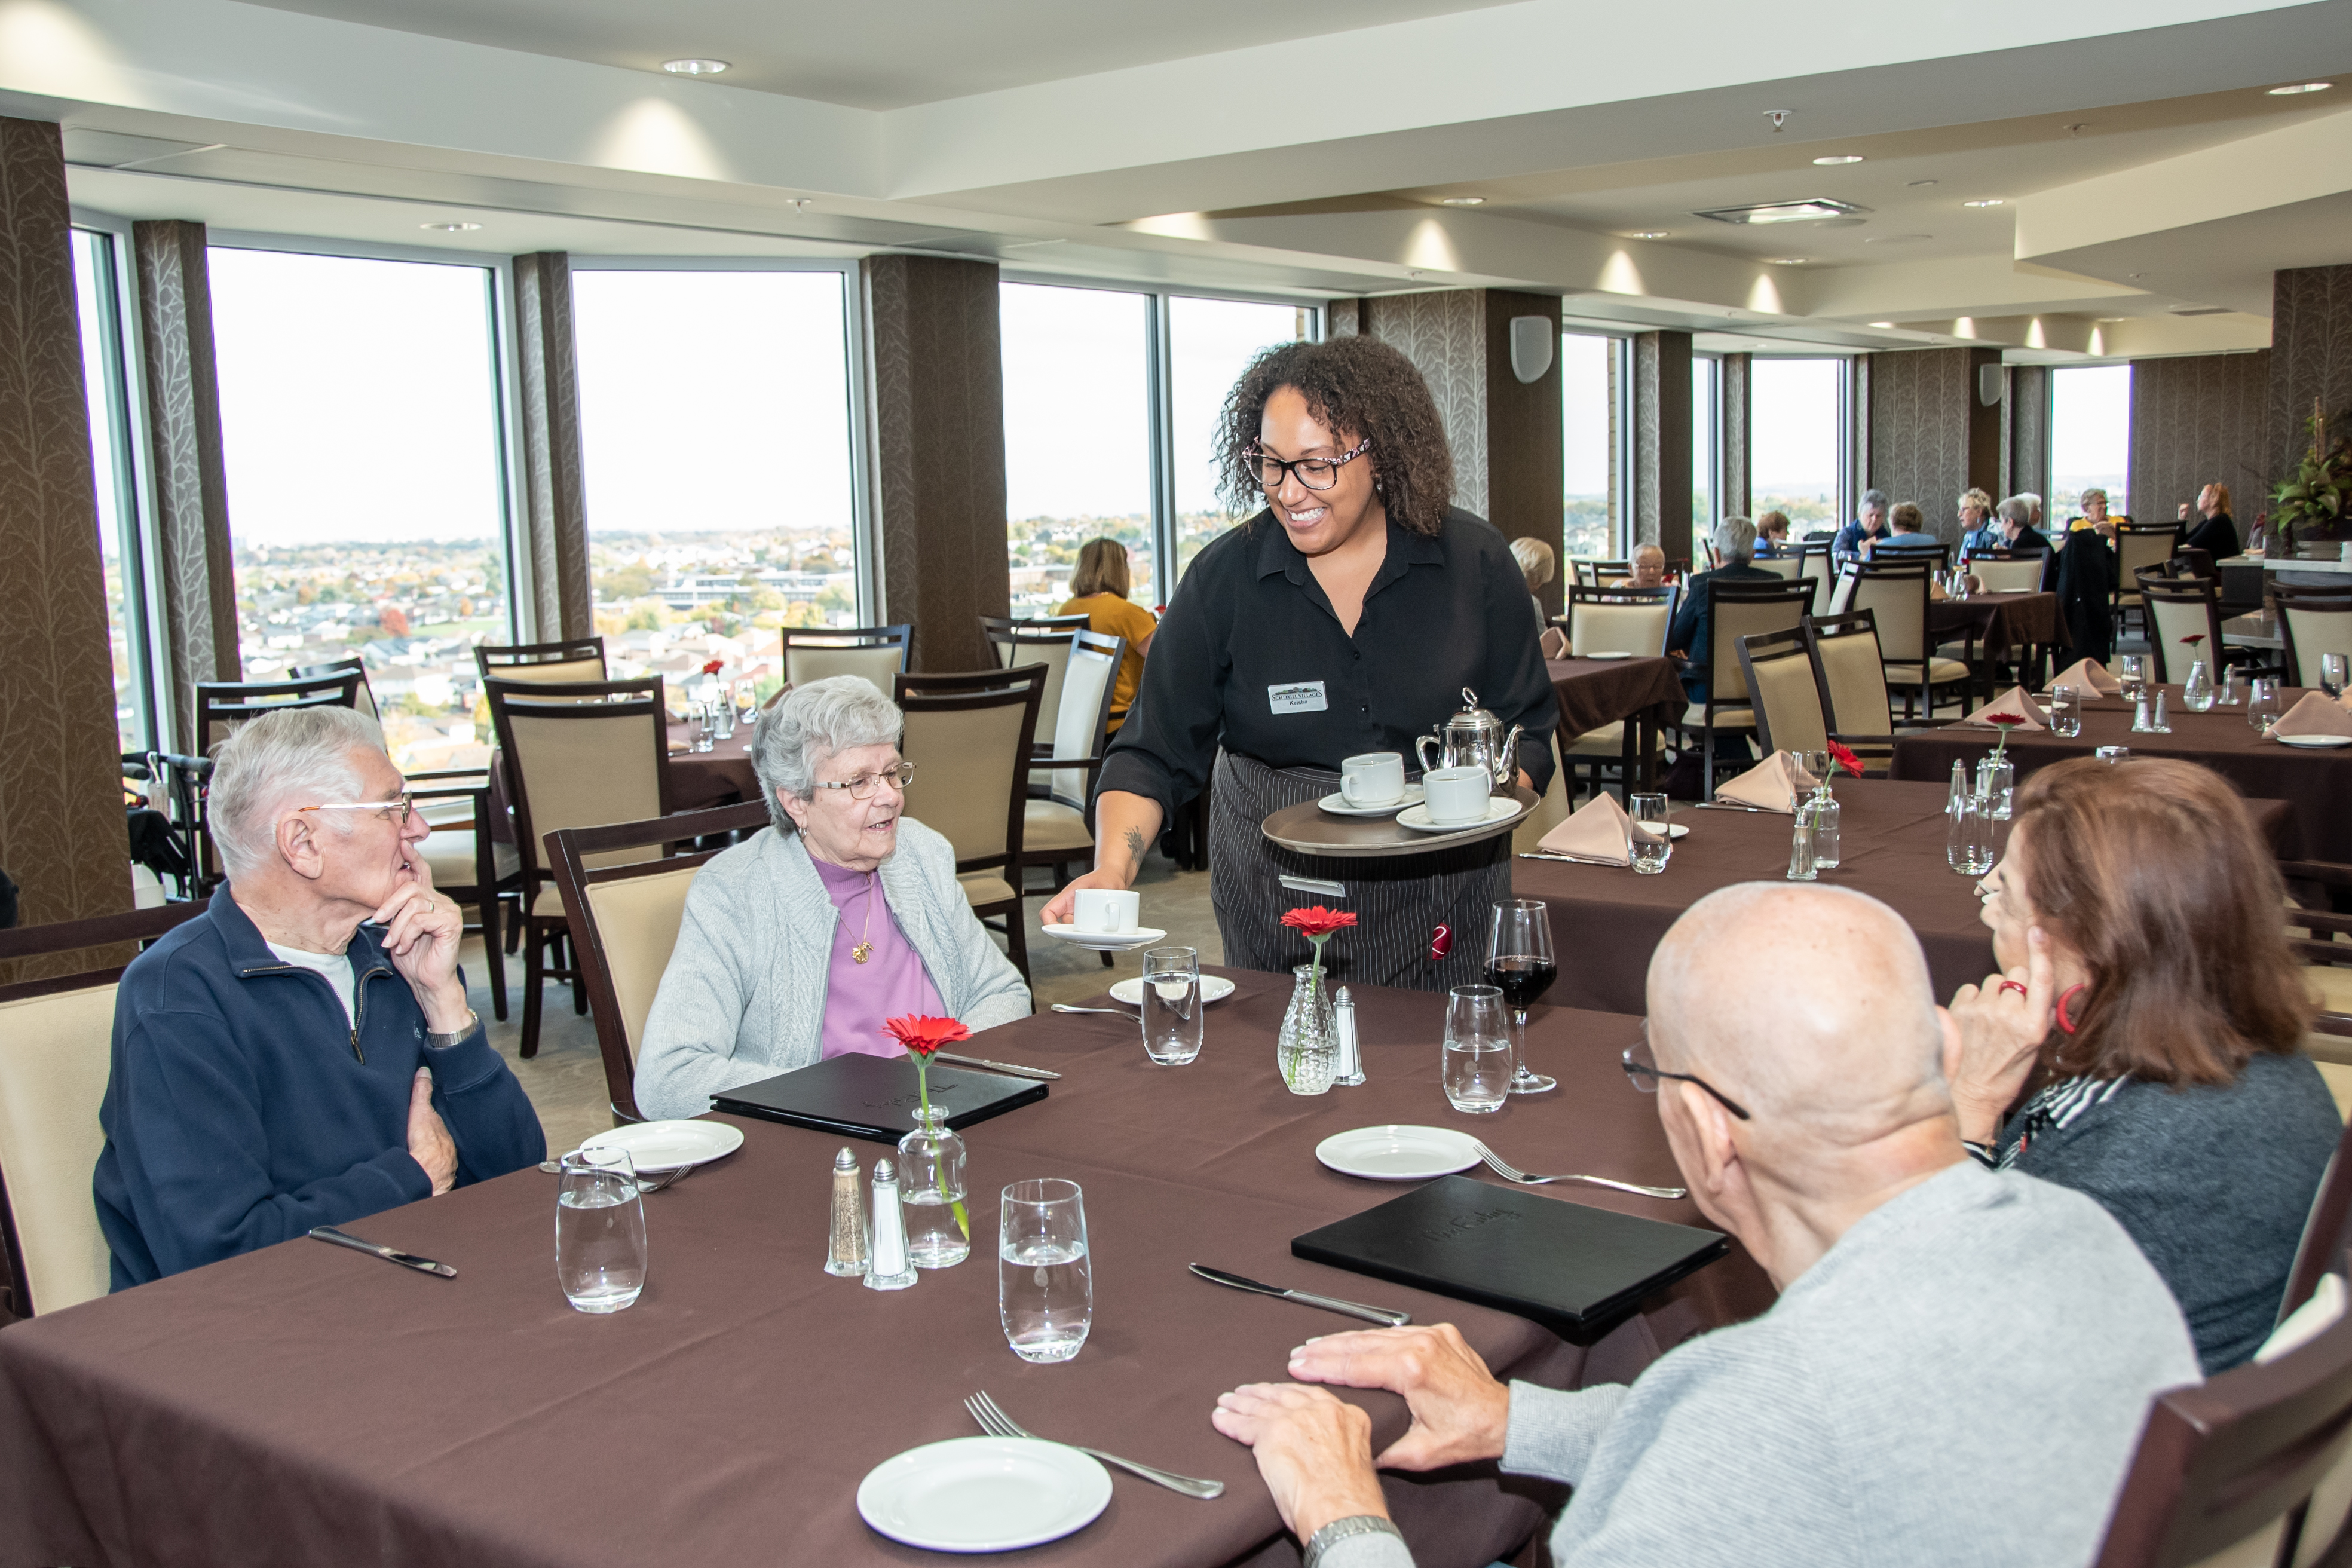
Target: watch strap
column 440, row 1042
column 1340, row 1530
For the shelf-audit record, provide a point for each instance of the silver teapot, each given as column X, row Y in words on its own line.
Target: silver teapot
column 1473, row 737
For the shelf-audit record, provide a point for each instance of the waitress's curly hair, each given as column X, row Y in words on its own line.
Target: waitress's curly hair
column 1358, row 387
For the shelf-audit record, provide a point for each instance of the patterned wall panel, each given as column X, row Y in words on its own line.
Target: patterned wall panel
column 2195, row 419
column 936, row 348
column 198, row 613
column 61, row 833
column 1444, row 332
column 1524, row 437
column 1343, row 318
column 2311, row 359
column 552, row 546
column 1662, row 442
column 2025, row 434
column 1737, row 418
column 1930, row 437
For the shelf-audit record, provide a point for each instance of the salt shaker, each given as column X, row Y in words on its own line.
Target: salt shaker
column 889, row 1268
column 1350, row 1071
column 1801, row 846
column 2157, row 723
column 2141, row 723
column 846, row 1254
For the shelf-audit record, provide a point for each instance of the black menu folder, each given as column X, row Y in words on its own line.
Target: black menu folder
column 1573, row 1269
column 875, row 1098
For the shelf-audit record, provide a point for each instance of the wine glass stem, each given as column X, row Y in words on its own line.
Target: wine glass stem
column 1519, row 1045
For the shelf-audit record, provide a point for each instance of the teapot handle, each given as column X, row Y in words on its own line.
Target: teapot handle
column 1506, row 766
column 1421, row 748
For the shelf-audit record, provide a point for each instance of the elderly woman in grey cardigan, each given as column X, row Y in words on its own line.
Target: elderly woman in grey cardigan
column 798, row 944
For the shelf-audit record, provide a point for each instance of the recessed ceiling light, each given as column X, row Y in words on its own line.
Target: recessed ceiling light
column 1896, row 238
column 1648, row 233
column 694, row 68
column 1839, row 158
column 1916, row 184
column 1988, row 201
column 1886, row 324
column 2291, row 90
column 450, row 227
column 1787, row 260
column 1782, row 212
column 1462, row 200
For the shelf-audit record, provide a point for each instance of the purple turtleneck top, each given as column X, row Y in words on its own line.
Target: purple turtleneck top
column 890, row 983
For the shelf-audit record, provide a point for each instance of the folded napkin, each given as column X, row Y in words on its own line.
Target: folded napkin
column 2090, row 675
column 1776, row 783
column 2013, row 701
column 1554, row 643
column 1598, row 831
column 2315, row 714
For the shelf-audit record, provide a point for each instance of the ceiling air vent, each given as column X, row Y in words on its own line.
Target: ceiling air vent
column 2201, row 309
column 1811, row 211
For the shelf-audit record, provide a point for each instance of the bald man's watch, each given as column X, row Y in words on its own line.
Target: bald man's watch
column 441, row 1042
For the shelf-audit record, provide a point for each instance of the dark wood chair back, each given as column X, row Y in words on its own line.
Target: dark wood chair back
column 2326, row 1233
column 348, row 664
column 221, row 707
column 2312, row 620
column 580, row 773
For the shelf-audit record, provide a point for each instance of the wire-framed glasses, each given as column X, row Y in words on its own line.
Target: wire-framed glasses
column 1641, row 1067
column 1314, row 473
column 394, row 810
column 862, row 787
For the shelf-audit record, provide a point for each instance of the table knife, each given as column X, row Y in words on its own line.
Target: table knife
column 987, row 1065
column 406, row 1260
column 1727, row 805
column 1380, row 1315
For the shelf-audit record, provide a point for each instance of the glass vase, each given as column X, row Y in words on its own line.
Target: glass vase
column 1997, row 785
column 1827, row 828
column 932, row 1193
column 2197, row 691
column 1306, row 1051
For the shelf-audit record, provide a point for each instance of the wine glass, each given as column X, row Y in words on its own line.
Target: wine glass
column 2332, row 674
column 1519, row 963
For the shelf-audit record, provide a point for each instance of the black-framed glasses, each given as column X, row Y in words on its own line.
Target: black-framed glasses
column 862, row 787
column 1314, row 473
column 1641, row 1067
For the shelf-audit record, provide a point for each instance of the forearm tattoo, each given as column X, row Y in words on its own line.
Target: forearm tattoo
column 1135, row 844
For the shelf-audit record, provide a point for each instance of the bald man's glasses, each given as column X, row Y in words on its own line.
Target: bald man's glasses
column 1643, row 1068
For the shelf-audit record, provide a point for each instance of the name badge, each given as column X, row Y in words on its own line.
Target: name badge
column 1297, row 697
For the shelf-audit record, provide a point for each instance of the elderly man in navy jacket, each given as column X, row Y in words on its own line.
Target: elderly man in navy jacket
column 300, row 1054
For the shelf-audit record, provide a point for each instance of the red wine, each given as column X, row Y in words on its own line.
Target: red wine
column 1521, row 978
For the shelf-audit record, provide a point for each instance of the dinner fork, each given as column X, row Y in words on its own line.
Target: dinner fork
column 1495, row 1164
column 997, row 1424
column 1114, row 1012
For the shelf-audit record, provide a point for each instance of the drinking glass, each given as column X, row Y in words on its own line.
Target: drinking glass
column 2065, row 712
column 1045, row 1283
column 1519, row 963
column 1172, row 1013
column 599, row 1230
column 747, row 701
column 2263, row 703
column 2332, row 674
column 1967, row 846
column 2133, row 678
column 1818, row 765
column 1652, row 812
column 706, row 725
column 1477, row 1075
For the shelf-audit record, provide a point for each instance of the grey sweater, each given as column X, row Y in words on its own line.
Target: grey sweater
column 743, row 997
column 1960, row 1380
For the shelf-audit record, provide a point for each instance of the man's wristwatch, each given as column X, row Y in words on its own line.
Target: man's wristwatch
column 441, row 1042
column 1340, row 1530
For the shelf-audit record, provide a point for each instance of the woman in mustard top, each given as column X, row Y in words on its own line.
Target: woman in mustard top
column 1098, row 590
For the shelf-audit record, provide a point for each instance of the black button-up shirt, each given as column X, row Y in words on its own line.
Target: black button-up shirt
column 1252, row 657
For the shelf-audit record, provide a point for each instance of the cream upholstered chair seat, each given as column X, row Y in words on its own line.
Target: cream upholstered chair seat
column 449, row 855
column 1608, row 741
column 1780, row 672
column 1051, row 828
column 552, row 672
column 56, row 1052
column 982, row 889
column 1939, row 671
column 636, row 929
column 1618, row 629
column 1725, row 718
column 2021, row 575
column 804, row 662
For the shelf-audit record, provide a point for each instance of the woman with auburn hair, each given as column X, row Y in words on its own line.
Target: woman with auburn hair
column 2142, row 1044
column 1098, row 590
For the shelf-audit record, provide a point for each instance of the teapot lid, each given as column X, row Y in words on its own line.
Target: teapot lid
column 1472, row 714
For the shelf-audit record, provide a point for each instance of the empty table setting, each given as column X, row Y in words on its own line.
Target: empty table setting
column 748, row 1403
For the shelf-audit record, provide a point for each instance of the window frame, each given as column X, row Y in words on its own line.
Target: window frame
column 1842, row 495
column 1621, row 426
column 1706, row 445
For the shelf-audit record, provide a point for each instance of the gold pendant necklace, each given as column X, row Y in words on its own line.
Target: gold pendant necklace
column 864, row 948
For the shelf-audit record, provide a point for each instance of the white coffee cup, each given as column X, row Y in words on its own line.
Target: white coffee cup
column 1107, row 911
column 1457, row 797
column 1376, row 778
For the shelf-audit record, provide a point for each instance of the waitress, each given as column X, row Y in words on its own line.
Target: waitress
column 1346, row 616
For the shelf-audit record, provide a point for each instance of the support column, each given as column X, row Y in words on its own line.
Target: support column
column 61, row 829
column 1738, row 388
column 1662, row 442
column 936, row 348
column 554, row 598
column 2025, row 441
column 197, row 617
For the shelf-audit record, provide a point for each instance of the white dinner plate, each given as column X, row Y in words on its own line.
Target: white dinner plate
column 1499, row 809
column 1397, row 1153
column 984, row 1494
column 656, row 1146
column 1337, row 803
column 2314, row 743
column 1671, row 829
column 1604, row 656
column 1213, row 988
column 1105, row 941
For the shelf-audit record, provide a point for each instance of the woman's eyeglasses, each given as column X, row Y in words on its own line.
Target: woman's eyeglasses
column 862, row 787
column 1643, row 1068
column 1314, row 473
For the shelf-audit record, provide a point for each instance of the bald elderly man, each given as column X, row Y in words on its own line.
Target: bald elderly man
column 1957, row 1369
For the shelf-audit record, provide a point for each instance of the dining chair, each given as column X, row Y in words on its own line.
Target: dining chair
column 1850, row 671
column 624, row 919
column 878, row 653
column 2312, row 621
column 56, row 1041
column 363, row 700
column 1620, row 619
column 1046, row 642
column 1896, row 594
column 577, row 754
column 2174, row 608
column 2326, row 1231
column 1812, row 558
column 1778, row 670
column 2137, row 544
column 574, row 660
column 1785, row 566
column 1735, row 609
column 1057, row 832
column 222, row 708
column 2010, row 574
column 969, row 734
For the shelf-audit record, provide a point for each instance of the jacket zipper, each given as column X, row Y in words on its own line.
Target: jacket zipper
column 359, row 996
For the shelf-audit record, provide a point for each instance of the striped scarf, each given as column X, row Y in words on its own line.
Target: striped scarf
column 2057, row 1105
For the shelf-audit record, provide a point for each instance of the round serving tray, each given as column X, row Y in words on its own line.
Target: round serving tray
column 1311, row 830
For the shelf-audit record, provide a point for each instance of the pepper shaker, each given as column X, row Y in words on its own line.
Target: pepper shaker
column 846, row 1254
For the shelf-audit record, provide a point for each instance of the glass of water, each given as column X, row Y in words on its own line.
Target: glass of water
column 599, row 1230
column 2065, row 712
column 1650, row 811
column 1045, row 1281
column 2133, row 677
column 1967, row 848
column 1477, row 1074
column 2332, row 674
column 2262, row 704
column 1172, row 1013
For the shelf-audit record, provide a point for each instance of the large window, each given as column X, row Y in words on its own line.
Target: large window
column 360, row 412
column 2090, row 438
column 1796, row 418
column 1590, row 376
column 714, row 416
column 1210, row 343
column 98, row 290
column 1077, row 437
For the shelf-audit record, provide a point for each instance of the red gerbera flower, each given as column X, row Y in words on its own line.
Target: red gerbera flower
column 1844, row 757
column 1318, row 922
column 921, row 1037
column 2193, row 638
column 714, row 667
column 2005, row 720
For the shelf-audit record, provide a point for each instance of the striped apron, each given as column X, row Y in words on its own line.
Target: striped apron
column 1396, row 901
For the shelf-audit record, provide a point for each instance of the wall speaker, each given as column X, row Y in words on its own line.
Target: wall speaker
column 1989, row 385
column 1534, row 340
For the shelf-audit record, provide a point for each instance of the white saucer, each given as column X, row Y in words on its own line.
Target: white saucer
column 2314, row 743
column 984, row 1494
column 1213, row 988
column 1671, row 830
column 657, row 1146
column 1397, row 1153
column 1337, row 803
column 1499, row 809
column 1107, row 940
column 1604, row 656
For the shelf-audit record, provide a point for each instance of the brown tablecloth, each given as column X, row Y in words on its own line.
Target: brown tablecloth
column 304, row 1405
column 721, row 776
column 1597, row 692
column 2000, row 620
column 2316, row 784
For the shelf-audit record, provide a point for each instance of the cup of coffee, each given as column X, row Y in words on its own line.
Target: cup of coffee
column 1457, row 797
column 1107, row 911
column 1375, row 778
